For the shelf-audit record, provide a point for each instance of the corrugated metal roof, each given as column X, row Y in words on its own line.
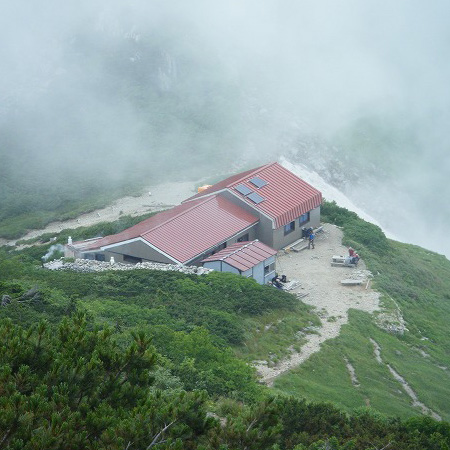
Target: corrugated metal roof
column 286, row 196
column 224, row 184
column 243, row 255
column 146, row 225
column 189, row 229
column 85, row 245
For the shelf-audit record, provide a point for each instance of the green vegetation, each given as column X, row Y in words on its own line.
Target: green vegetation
column 109, row 360
column 76, row 386
column 193, row 320
column 414, row 283
column 88, row 232
column 51, row 204
column 270, row 336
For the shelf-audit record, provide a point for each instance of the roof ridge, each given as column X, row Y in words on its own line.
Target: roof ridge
column 258, row 169
column 239, row 249
column 227, row 187
column 201, row 200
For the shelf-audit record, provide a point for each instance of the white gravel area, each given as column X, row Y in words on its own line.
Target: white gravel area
column 155, row 198
column 321, row 283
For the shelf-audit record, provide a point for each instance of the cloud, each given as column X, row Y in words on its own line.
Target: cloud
column 101, row 85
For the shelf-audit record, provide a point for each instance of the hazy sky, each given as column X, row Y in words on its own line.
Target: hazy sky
column 240, row 71
column 358, row 53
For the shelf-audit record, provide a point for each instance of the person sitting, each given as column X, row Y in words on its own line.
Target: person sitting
column 355, row 258
column 351, row 252
column 277, row 282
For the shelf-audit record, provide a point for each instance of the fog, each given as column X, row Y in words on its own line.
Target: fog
column 120, row 91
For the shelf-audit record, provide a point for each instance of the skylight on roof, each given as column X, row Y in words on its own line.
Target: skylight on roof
column 255, row 198
column 244, row 190
column 258, row 182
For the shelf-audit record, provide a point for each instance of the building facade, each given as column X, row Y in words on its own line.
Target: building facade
column 268, row 204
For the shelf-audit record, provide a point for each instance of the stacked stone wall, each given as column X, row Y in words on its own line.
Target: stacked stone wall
column 87, row 265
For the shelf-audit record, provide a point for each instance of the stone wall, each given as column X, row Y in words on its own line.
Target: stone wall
column 87, row 265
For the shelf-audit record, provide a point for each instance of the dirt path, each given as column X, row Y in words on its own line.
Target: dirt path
column 312, row 268
column 155, row 198
column 406, row 387
column 322, row 285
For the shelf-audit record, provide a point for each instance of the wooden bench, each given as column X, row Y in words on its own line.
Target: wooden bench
column 344, row 261
column 302, row 243
column 351, row 282
column 298, row 245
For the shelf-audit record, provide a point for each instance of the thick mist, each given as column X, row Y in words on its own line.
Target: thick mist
column 108, row 93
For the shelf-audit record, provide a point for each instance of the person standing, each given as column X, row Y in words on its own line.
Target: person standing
column 312, row 236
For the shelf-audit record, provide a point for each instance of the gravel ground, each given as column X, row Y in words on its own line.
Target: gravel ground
column 321, row 283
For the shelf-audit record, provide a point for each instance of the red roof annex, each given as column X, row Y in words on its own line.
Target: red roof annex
column 243, row 255
column 285, row 196
column 189, row 229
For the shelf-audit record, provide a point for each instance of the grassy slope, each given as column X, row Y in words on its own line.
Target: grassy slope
column 416, row 279
column 269, row 336
column 419, row 282
column 193, row 320
column 15, row 225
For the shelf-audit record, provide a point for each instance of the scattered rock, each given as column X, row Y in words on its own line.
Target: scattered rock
column 31, row 294
column 352, row 372
column 88, row 265
column 406, row 387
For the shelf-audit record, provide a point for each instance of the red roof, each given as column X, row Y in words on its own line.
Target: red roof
column 285, row 196
column 189, row 229
column 243, row 255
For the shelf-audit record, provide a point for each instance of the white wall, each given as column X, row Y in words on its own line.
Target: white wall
column 137, row 249
column 256, row 272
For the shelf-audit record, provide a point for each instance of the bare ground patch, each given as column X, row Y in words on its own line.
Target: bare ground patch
column 320, row 286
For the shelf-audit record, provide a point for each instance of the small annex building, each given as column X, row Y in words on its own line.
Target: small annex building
column 259, row 210
column 249, row 259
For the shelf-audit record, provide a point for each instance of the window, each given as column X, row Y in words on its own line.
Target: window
column 289, row 228
column 269, row 268
column 131, row 259
column 243, row 238
column 303, row 218
column 88, row 256
column 100, row 257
